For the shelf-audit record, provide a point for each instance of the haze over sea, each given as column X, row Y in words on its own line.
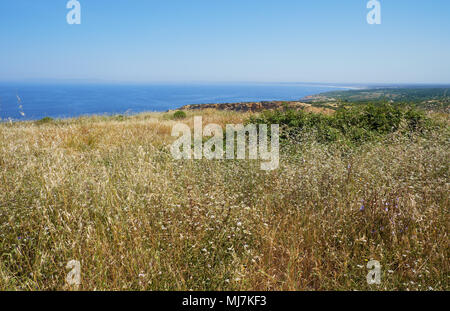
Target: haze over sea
column 71, row 100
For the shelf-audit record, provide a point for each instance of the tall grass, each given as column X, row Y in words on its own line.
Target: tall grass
column 107, row 192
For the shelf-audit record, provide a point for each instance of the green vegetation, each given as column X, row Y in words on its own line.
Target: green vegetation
column 119, row 117
column 437, row 99
column 179, row 115
column 110, row 195
column 354, row 125
column 44, row 120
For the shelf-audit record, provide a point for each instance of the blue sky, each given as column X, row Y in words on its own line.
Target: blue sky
column 233, row 40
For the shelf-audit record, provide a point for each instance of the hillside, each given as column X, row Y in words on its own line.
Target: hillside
column 426, row 98
column 106, row 191
column 435, row 99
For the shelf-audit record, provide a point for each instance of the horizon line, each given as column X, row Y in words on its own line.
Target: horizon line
column 310, row 83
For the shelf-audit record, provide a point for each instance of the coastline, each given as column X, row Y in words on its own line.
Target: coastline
column 320, row 102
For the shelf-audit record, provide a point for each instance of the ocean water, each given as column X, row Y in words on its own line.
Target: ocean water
column 35, row 101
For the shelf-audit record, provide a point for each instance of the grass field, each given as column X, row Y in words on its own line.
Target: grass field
column 106, row 191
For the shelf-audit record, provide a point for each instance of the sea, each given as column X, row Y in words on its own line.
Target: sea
column 33, row 101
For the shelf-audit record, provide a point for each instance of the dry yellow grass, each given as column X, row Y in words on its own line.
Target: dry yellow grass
column 106, row 192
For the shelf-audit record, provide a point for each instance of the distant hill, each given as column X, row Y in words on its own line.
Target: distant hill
column 427, row 98
column 436, row 99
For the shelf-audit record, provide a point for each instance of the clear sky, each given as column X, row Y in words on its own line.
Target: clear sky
column 226, row 40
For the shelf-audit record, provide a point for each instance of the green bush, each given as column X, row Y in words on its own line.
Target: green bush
column 179, row 115
column 119, row 117
column 355, row 124
column 44, row 120
column 417, row 120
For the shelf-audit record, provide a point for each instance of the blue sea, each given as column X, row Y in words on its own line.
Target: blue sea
column 31, row 101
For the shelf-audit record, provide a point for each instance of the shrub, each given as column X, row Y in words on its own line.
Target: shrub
column 44, row 120
column 354, row 125
column 417, row 120
column 179, row 115
column 120, row 117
